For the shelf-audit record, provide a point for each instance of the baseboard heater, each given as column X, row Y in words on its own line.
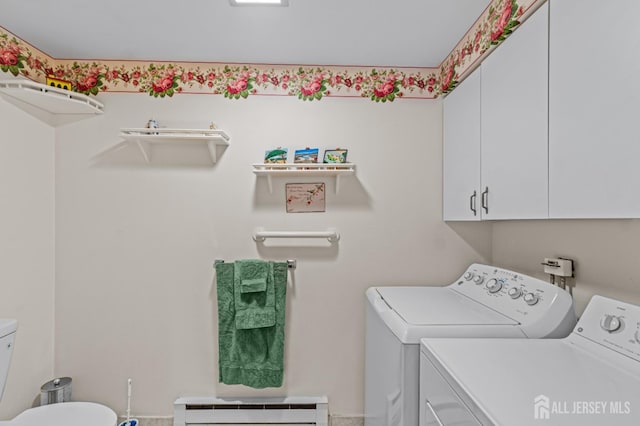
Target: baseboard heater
column 289, row 411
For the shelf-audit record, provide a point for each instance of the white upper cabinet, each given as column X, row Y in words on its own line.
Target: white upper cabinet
column 461, row 151
column 594, row 109
column 514, row 118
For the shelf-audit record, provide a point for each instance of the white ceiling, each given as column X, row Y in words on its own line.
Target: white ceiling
column 418, row 33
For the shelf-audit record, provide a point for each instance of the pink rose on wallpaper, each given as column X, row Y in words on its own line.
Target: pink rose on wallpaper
column 162, row 84
column 448, row 79
column 211, row 76
column 8, row 57
column 502, row 21
column 10, row 54
column 383, row 89
column 136, row 74
column 311, row 87
column 236, row 86
column 86, row 82
column 478, row 36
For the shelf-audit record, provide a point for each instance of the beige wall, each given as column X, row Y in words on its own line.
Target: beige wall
column 606, row 253
column 26, row 252
column 136, row 243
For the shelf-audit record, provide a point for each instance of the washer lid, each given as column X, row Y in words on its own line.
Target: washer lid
column 439, row 306
column 67, row 414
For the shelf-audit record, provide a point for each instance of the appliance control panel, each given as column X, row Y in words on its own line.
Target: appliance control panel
column 613, row 324
column 518, row 296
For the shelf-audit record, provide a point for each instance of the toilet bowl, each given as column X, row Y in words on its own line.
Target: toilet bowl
column 60, row 414
column 66, row 414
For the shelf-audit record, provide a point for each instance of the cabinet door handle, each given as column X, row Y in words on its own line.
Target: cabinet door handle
column 485, row 200
column 472, row 203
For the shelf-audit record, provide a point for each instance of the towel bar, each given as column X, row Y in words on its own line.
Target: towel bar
column 260, row 235
column 291, row 263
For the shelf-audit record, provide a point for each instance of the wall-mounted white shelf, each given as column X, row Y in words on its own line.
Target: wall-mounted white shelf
column 144, row 136
column 336, row 170
column 49, row 104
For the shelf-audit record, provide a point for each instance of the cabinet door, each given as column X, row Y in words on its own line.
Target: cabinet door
column 461, row 151
column 514, row 123
column 594, row 109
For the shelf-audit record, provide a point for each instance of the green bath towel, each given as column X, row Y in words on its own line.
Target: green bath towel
column 251, row 356
column 254, row 294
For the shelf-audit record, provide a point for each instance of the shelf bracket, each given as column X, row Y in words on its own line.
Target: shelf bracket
column 144, row 150
column 213, row 151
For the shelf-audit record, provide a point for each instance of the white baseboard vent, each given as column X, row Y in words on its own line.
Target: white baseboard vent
column 288, row 411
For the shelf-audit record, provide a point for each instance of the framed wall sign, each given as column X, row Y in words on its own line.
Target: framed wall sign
column 305, row 197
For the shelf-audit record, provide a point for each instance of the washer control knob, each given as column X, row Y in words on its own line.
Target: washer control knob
column 468, row 276
column 479, row 279
column 515, row 292
column 531, row 299
column 638, row 335
column 610, row 323
column 493, row 285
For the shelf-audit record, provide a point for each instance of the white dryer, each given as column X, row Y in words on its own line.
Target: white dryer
column 591, row 378
column 485, row 301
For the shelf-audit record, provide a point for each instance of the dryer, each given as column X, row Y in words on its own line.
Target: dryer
column 590, row 378
column 486, row 301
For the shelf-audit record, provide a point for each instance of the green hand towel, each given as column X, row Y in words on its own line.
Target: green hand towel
column 252, row 286
column 252, row 357
column 254, row 308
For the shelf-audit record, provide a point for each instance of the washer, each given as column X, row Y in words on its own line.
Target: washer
column 485, row 301
column 590, row 378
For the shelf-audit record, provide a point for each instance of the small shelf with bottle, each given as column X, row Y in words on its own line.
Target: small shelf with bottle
column 142, row 137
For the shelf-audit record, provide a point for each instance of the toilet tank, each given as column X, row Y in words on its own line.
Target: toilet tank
column 7, row 334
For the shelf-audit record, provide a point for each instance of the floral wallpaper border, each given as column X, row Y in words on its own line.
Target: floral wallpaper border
column 238, row 81
column 495, row 24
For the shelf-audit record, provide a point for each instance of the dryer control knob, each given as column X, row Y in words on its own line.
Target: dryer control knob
column 638, row 335
column 468, row 276
column 531, row 299
column 515, row 292
column 478, row 279
column 610, row 323
column 494, row 285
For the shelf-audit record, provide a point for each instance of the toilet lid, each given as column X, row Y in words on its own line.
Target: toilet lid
column 67, row 414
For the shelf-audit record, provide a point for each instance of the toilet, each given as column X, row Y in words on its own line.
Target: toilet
column 60, row 414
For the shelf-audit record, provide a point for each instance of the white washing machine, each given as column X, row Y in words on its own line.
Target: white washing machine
column 591, row 378
column 485, row 302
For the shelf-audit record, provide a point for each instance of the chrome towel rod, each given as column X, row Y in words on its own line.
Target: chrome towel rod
column 291, row 263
